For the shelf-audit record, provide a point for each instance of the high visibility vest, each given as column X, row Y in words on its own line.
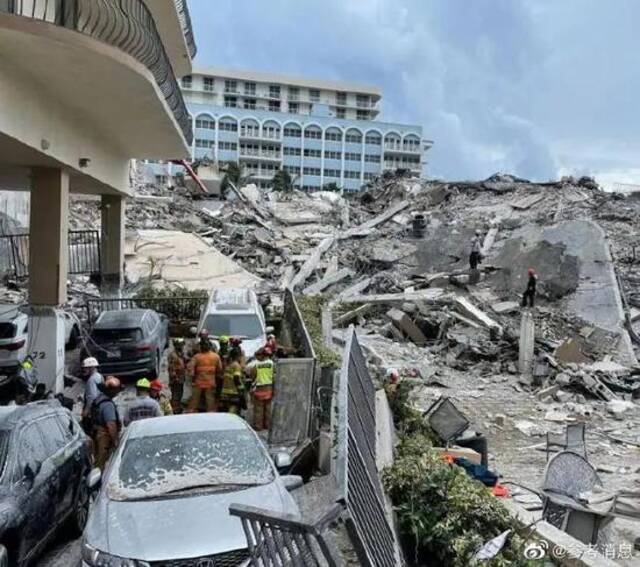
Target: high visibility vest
column 264, row 374
column 229, row 388
column 206, row 365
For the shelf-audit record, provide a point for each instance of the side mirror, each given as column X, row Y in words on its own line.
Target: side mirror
column 94, row 479
column 193, row 331
column 269, row 330
column 282, row 460
column 4, row 556
column 292, row 482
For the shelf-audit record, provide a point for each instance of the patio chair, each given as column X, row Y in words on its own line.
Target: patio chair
column 568, row 477
column 573, row 439
column 446, row 420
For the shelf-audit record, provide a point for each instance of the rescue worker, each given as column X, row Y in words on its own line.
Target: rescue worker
column 235, row 350
column 205, row 368
column 144, row 406
column 529, row 294
column 156, row 393
column 177, row 374
column 106, row 421
column 231, row 395
column 262, row 389
column 223, row 351
column 476, row 247
column 93, row 380
column 272, row 343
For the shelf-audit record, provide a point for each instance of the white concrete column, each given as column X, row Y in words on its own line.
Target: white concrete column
column 48, row 237
column 112, row 243
column 323, row 133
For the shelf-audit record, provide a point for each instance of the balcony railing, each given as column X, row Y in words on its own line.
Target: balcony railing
column 187, row 29
column 125, row 24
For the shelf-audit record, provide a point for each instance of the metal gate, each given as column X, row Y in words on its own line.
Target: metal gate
column 369, row 526
column 83, row 253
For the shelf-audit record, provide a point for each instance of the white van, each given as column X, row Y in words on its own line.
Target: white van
column 235, row 313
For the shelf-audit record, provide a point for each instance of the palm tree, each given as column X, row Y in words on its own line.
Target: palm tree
column 282, row 181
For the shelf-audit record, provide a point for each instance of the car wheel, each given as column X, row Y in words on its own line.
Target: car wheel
column 80, row 515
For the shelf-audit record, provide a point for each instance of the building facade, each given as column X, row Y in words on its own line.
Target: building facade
column 320, row 132
column 84, row 88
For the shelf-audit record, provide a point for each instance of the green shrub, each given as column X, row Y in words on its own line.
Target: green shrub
column 310, row 307
column 444, row 516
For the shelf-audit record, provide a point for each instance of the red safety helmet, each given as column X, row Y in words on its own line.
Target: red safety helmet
column 156, row 385
column 532, row 272
column 267, row 351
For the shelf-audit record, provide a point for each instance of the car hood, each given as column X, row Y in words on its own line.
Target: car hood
column 181, row 527
column 250, row 346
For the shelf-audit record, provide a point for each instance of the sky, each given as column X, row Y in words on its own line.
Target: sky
column 537, row 88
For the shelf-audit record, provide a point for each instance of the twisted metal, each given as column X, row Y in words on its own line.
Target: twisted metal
column 125, row 24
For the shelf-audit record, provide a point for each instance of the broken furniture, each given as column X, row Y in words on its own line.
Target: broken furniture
column 568, row 476
column 451, row 425
column 573, row 439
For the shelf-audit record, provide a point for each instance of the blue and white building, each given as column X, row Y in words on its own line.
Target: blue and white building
column 321, row 132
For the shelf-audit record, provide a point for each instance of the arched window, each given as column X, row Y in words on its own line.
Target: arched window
column 392, row 142
column 228, row 124
column 333, row 134
column 313, row 132
column 249, row 128
column 271, row 130
column 205, row 122
column 353, row 136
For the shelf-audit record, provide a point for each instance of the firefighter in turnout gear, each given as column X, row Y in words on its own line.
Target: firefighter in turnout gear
column 231, row 394
column 205, row 369
column 262, row 389
column 177, row 374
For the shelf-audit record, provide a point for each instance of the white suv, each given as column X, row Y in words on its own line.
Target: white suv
column 235, row 313
column 13, row 338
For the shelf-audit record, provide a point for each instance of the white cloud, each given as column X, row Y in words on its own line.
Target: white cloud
column 534, row 87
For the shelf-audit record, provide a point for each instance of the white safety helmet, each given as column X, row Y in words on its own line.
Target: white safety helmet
column 90, row 362
column 478, row 232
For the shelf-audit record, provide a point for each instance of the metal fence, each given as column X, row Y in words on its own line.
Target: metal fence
column 369, row 526
column 279, row 540
column 177, row 309
column 83, row 253
column 125, row 24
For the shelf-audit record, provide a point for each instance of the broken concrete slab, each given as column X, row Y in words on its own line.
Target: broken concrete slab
column 366, row 228
column 489, row 239
column 328, row 281
column 353, row 314
column 571, row 351
column 505, row 307
column 468, row 309
column 432, row 294
column 526, row 344
column 528, row 202
column 353, row 290
column 403, row 322
column 312, row 263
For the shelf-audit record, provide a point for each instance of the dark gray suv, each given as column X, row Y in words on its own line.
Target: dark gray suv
column 129, row 343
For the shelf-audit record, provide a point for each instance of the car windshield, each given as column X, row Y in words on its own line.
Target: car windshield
column 238, row 325
column 155, row 466
column 120, row 336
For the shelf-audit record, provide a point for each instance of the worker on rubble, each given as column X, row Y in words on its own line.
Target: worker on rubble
column 93, row 380
column 231, row 392
column 475, row 257
column 205, row 369
column 157, row 393
column 177, row 374
column 235, row 350
column 262, row 389
column 105, row 420
column 529, row 294
column 144, row 406
column 272, row 343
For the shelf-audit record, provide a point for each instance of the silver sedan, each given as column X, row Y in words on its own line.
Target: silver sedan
column 164, row 498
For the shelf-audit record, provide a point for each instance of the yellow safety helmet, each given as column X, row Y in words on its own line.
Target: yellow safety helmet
column 144, row 384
